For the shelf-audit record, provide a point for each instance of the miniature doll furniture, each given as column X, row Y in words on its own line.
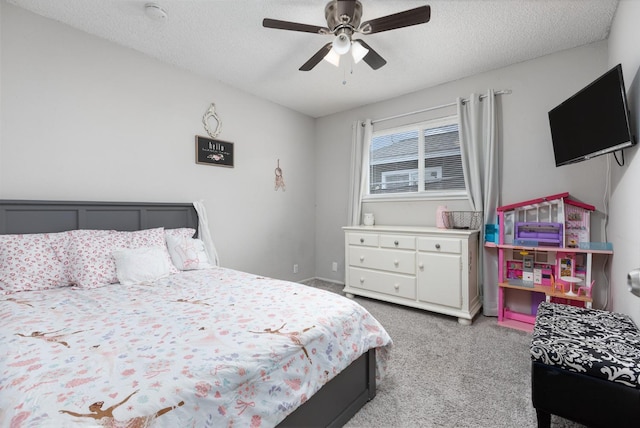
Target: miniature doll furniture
column 585, row 367
column 586, row 289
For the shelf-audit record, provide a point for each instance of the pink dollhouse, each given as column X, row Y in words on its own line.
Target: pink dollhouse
column 555, row 220
column 544, row 253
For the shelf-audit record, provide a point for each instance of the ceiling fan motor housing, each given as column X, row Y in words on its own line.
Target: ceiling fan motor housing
column 337, row 16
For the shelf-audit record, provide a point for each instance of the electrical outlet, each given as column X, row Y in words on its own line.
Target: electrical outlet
column 334, row 266
column 295, row 268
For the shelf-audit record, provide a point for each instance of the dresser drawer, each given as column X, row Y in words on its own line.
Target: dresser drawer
column 389, row 260
column 398, row 241
column 382, row 282
column 440, row 245
column 363, row 239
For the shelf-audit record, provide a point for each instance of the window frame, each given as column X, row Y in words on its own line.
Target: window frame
column 420, row 194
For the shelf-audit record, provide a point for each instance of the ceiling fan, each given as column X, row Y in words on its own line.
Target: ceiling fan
column 343, row 21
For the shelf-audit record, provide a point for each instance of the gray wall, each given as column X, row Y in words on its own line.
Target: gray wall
column 85, row 119
column 82, row 118
column 623, row 229
column 527, row 170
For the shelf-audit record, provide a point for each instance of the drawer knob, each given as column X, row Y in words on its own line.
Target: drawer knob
column 437, row 246
column 361, row 280
column 361, row 258
column 395, row 243
column 362, row 240
column 396, row 286
column 395, row 262
column 421, row 266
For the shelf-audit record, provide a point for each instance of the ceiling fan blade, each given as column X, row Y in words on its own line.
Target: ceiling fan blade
column 416, row 16
column 294, row 26
column 372, row 57
column 346, row 7
column 315, row 59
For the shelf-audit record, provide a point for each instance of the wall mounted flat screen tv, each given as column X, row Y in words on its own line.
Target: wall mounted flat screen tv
column 593, row 122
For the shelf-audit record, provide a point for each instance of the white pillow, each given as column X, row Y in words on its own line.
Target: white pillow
column 140, row 265
column 187, row 253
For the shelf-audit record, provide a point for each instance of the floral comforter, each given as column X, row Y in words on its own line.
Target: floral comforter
column 209, row 348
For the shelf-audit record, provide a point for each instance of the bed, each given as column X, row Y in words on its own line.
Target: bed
column 198, row 347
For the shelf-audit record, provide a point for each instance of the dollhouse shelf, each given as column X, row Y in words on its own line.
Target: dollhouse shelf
column 550, row 249
column 525, row 322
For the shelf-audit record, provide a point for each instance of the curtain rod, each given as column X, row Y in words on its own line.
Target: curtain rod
column 501, row 92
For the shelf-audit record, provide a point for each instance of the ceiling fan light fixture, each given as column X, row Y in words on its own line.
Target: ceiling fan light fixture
column 333, row 57
column 358, row 52
column 341, row 44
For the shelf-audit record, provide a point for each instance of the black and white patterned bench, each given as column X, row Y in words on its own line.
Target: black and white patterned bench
column 585, row 366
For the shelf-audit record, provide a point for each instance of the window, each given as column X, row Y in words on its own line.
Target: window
column 422, row 159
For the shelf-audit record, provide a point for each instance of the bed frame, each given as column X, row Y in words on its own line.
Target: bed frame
column 331, row 406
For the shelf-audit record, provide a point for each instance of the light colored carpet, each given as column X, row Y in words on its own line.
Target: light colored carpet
column 443, row 374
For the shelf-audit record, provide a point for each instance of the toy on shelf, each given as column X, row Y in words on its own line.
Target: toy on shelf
column 491, row 233
column 573, row 218
column 586, row 289
column 571, row 280
column 527, row 267
column 557, row 286
column 538, row 234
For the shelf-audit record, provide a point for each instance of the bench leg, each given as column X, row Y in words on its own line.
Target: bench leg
column 544, row 418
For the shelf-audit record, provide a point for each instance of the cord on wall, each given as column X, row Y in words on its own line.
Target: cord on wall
column 605, row 204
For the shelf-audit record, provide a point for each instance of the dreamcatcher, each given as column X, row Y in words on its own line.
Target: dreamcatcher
column 279, row 178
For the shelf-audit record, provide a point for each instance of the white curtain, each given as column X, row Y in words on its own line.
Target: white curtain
column 479, row 147
column 204, row 234
column 360, row 141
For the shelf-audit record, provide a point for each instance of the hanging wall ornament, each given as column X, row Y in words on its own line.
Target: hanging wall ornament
column 211, row 114
column 279, row 178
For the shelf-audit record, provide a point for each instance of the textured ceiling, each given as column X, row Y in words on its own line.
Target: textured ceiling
column 225, row 40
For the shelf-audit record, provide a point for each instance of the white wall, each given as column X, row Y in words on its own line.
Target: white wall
column 624, row 231
column 85, row 119
column 528, row 167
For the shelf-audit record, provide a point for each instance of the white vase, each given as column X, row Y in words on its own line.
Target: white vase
column 368, row 219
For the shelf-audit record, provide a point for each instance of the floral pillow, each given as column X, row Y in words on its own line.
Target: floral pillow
column 63, row 249
column 185, row 232
column 31, row 262
column 90, row 259
column 91, row 253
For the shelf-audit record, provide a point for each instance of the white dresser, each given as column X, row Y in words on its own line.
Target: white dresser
column 423, row 267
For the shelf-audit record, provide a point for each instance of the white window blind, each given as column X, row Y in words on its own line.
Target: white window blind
column 422, row 158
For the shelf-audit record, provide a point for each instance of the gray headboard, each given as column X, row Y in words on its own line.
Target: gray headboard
column 18, row 216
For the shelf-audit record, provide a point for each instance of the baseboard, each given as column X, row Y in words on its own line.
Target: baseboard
column 317, row 278
column 329, row 280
